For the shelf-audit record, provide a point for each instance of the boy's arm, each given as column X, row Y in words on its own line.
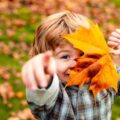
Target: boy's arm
column 42, row 101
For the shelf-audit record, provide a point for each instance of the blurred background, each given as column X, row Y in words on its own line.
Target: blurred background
column 18, row 22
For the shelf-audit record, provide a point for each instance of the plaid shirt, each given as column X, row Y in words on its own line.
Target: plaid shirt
column 77, row 104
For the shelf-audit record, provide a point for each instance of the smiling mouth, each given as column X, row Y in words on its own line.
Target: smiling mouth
column 67, row 74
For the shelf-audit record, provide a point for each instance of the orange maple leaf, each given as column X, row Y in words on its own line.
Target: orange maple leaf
column 95, row 66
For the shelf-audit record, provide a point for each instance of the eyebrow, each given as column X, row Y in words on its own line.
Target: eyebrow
column 62, row 51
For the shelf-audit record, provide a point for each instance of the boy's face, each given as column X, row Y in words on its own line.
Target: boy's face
column 65, row 59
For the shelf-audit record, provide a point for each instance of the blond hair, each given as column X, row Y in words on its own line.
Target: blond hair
column 49, row 34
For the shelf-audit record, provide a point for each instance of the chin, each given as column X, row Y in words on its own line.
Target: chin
column 64, row 80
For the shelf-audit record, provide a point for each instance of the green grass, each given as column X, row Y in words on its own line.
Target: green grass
column 115, row 21
column 7, row 60
column 5, row 111
column 116, row 109
column 116, row 2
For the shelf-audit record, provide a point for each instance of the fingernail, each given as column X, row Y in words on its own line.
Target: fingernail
column 43, row 85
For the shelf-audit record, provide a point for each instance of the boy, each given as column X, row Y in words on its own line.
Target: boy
column 46, row 74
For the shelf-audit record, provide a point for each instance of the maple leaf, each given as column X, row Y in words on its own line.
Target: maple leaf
column 95, row 66
column 4, row 73
column 19, row 22
column 4, row 88
column 10, row 32
column 19, row 94
column 22, row 115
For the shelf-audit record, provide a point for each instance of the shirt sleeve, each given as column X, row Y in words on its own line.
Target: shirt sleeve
column 42, row 101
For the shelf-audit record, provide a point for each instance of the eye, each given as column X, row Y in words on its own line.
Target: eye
column 65, row 57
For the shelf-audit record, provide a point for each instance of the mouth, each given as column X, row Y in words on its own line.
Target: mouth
column 67, row 75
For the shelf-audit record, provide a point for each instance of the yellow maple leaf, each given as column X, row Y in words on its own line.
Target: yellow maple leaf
column 101, row 73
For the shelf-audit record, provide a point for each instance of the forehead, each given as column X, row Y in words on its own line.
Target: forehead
column 66, row 48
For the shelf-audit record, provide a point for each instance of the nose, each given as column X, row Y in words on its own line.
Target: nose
column 72, row 63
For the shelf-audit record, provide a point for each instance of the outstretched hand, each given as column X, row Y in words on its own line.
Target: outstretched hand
column 37, row 72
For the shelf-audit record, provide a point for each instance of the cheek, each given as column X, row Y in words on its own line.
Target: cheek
column 61, row 67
